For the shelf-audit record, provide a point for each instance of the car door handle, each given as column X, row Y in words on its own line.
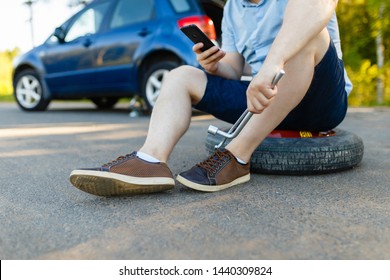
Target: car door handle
column 144, row 32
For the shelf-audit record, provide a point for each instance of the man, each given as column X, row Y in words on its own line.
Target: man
column 269, row 36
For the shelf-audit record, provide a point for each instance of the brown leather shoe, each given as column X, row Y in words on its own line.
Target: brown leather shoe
column 220, row 171
column 127, row 175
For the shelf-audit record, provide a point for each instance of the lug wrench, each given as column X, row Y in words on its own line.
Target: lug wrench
column 242, row 120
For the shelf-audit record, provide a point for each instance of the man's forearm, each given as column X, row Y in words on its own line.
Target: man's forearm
column 225, row 70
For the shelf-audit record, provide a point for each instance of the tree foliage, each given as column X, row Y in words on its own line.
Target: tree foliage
column 6, row 58
column 361, row 22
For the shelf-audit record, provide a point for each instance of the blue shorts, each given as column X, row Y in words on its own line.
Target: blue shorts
column 323, row 107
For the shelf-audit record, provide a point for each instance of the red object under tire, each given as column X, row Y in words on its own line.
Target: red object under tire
column 303, row 152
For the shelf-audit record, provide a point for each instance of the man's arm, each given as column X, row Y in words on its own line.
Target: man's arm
column 217, row 62
column 303, row 21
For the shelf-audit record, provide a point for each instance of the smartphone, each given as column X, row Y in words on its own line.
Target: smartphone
column 197, row 36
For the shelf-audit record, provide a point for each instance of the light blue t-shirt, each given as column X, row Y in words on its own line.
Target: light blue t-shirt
column 250, row 29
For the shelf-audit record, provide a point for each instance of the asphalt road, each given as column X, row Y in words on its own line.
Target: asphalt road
column 342, row 215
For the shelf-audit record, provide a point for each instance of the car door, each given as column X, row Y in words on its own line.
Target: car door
column 131, row 26
column 70, row 63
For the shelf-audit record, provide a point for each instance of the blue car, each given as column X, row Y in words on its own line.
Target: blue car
column 113, row 49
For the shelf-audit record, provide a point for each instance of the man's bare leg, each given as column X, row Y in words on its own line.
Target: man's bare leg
column 130, row 174
column 291, row 90
column 171, row 116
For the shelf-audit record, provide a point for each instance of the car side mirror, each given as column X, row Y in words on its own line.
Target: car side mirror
column 59, row 33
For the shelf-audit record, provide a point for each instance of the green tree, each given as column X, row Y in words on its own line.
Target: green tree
column 6, row 58
column 364, row 28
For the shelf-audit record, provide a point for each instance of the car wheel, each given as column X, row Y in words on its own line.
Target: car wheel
column 104, row 102
column 29, row 91
column 308, row 155
column 152, row 81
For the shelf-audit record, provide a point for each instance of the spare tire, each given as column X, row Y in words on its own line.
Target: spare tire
column 303, row 153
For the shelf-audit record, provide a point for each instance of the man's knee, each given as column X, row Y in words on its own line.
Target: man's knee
column 182, row 73
column 314, row 50
column 320, row 45
column 190, row 79
column 311, row 54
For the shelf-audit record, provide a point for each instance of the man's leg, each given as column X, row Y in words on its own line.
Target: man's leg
column 291, row 90
column 227, row 168
column 171, row 116
column 139, row 173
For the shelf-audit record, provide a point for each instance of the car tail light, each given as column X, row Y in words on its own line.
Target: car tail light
column 203, row 22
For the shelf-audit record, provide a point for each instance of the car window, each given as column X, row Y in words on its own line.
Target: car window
column 132, row 11
column 181, row 6
column 88, row 22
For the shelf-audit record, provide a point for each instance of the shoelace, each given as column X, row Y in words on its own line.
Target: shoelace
column 215, row 161
column 118, row 160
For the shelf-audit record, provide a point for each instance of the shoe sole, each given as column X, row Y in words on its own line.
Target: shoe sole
column 113, row 184
column 206, row 188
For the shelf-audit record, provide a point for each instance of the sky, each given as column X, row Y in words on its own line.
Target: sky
column 15, row 28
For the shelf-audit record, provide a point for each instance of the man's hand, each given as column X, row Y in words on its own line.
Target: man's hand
column 260, row 93
column 208, row 59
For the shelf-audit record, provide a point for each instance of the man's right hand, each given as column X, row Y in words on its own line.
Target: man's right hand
column 208, row 59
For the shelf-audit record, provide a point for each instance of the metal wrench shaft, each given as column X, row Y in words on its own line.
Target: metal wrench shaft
column 242, row 120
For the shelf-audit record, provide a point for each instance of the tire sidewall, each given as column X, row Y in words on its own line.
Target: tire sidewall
column 43, row 102
column 303, row 156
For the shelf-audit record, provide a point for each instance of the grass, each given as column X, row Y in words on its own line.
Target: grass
column 6, row 97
